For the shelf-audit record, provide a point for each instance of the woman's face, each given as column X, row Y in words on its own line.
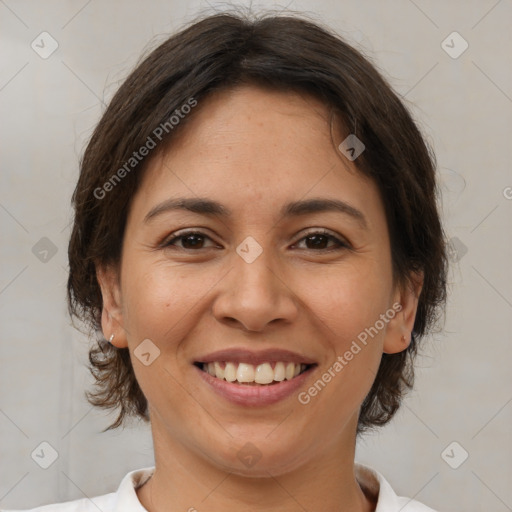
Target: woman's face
column 273, row 272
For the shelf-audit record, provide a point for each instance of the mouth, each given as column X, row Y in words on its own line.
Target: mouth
column 257, row 384
column 254, row 378
column 269, row 373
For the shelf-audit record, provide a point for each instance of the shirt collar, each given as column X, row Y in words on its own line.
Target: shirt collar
column 376, row 486
column 126, row 497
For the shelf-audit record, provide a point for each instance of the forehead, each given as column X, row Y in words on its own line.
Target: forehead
column 248, row 146
column 258, row 117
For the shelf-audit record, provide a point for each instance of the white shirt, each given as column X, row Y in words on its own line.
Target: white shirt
column 125, row 498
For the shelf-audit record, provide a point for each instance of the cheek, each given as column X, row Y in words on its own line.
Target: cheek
column 348, row 306
column 348, row 299
column 158, row 299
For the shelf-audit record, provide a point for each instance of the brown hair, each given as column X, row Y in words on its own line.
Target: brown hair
column 287, row 53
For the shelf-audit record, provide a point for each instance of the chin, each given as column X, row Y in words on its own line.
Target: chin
column 261, row 459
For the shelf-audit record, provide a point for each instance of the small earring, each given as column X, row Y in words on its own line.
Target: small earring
column 110, row 339
column 404, row 339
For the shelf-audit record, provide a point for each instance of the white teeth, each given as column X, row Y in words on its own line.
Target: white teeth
column 290, row 371
column 279, row 372
column 245, row 373
column 230, row 372
column 248, row 373
column 264, row 374
column 219, row 371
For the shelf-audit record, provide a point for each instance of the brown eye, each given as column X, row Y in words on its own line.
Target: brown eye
column 319, row 240
column 192, row 241
column 189, row 241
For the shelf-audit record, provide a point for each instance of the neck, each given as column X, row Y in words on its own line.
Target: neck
column 187, row 481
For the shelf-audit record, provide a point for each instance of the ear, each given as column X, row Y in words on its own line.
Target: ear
column 399, row 329
column 111, row 314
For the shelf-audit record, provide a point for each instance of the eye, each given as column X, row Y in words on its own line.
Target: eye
column 315, row 240
column 319, row 240
column 190, row 240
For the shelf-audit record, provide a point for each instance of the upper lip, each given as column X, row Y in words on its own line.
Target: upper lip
column 241, row 355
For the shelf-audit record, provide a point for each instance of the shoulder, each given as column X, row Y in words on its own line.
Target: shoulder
column 103, row 503
column 123, row 500
column 376, row 486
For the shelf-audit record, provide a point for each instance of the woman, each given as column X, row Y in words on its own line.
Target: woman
column 256, row 234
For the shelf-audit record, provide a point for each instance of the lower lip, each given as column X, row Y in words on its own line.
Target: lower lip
column 255, row 395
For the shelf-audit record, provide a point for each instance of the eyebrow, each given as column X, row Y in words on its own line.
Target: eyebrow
column 205, row 206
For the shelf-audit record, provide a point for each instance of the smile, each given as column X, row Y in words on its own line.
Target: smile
column 267, row 373
column 238, row 382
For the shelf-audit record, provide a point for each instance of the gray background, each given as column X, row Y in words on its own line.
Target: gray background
column 49, row 107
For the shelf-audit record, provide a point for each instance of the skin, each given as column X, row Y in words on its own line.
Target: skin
column 254, row 150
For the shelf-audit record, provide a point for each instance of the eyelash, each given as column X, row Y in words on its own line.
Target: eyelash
column 342, row 245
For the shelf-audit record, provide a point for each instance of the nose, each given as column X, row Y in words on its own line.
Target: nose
column 253, row 295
